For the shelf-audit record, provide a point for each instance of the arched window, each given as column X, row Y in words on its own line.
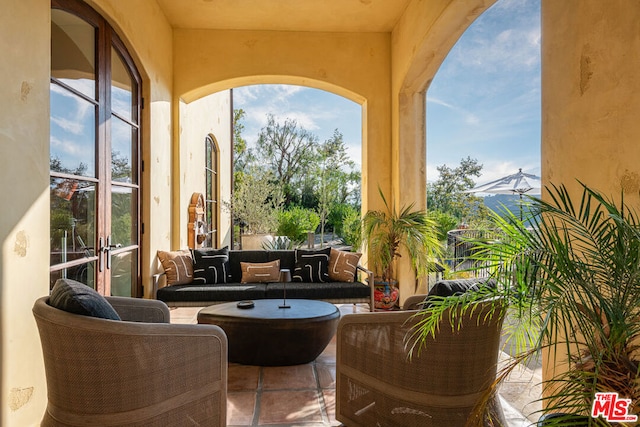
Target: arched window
column 94, row 153
column 212, row 205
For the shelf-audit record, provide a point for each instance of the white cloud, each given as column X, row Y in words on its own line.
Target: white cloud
column 242, row 95
column 467, row 116
column 69, row 125
column 506, row 37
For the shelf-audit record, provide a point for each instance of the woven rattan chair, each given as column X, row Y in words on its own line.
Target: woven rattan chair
column 378, row 385
column 141, row 371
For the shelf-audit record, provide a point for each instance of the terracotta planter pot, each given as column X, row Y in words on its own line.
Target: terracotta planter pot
column 385, row 294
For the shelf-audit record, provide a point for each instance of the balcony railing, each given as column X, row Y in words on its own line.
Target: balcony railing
column 461, row 248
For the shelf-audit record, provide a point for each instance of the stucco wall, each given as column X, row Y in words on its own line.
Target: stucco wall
column 591, row 98
column 24, row 228
column 352, row 65
column 210, row 115
column 591, row 95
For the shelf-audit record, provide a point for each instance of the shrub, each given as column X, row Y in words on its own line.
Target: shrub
column 352, row 229
column 444, row 223
column 296, row 222
column 336, row 216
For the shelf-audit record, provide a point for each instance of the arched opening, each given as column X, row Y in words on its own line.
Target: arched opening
column 321, row 115
column 484, row 102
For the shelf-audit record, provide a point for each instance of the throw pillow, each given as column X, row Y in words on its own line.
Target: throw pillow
column 311, row 266
column 78, row 298
column 342, row 265
column 260, row 272
column 210, row 266
column 178, row 266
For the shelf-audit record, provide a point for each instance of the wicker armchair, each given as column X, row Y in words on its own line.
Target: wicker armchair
column 378, row 385
column 131, row 373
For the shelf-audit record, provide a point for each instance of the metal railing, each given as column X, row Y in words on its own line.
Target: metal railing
column 461, row 247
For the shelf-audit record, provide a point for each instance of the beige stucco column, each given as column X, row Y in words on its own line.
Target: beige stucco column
column 591, row 95
column 24, row 228
column 591, row 99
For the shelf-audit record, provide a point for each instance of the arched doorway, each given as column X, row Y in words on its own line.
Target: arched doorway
column 94, row 153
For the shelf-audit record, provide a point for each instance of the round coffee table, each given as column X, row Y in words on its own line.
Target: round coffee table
column 267, row 335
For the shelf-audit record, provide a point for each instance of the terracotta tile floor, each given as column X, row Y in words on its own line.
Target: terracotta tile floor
column 304, row 395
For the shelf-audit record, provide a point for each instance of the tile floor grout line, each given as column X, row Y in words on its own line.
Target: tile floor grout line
column 256, row 411
column 321, row 401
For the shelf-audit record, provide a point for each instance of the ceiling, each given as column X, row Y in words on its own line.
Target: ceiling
column 285, row 15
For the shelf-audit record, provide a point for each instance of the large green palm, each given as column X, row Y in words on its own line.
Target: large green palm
column 572, row 283
column 387, row 232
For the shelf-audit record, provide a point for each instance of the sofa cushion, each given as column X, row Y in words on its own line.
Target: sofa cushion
column 78, row 298
column 210, row 293
column 211, row 266
column 342, row 265
column 178, row 266
column 326, row 291
column 311, row 265
column 260, row 272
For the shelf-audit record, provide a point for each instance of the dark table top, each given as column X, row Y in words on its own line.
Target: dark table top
column 268, row 309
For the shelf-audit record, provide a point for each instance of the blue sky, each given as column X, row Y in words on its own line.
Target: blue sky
column 484, row 101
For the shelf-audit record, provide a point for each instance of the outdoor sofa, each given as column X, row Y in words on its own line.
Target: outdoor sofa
column 203, row 277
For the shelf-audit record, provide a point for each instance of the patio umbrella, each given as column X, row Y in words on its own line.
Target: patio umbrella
column 518, row 183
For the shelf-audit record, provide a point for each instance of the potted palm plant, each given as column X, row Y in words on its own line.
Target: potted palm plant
column 385, row 233
column 572, row 283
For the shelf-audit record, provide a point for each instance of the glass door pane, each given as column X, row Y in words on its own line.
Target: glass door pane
column 123, row 155
column 72, row 140
column 73, row 52
column 124, row 273
column 73, row 229
column 124, row 230
column 121, row 88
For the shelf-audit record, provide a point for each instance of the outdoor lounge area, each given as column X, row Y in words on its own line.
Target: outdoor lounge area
column 304, row 395
column 113, row 110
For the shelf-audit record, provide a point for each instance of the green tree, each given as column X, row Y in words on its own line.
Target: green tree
column 447, row 194
column 242, row 154
column 256, row 202
column 288, row 152
column 333, row 171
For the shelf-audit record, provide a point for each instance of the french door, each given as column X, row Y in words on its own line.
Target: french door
column 94, row 153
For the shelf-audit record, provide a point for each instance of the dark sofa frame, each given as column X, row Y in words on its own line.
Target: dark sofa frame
column 198, row 295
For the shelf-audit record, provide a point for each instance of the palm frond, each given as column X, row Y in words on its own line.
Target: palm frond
column 571, row 282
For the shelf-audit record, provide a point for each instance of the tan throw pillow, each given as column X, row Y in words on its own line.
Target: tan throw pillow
column 260, row 272
column 342, row 265
column 178, row 266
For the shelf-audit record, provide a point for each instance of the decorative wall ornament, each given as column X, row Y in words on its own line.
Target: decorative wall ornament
column 197, row 229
